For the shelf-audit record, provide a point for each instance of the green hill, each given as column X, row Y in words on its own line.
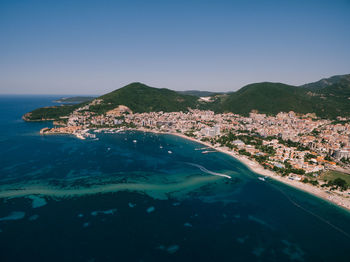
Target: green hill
column 334, row 97
column 327, row 101
column 328, row 98
column 50, row 113
column 137, row 96
column 142, row 98
column 198, row 93
column 326, row 82
column 266, row 97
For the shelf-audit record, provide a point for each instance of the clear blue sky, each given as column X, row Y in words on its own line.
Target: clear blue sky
column 92, row 47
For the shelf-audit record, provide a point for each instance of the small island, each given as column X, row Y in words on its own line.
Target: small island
column 74, row 99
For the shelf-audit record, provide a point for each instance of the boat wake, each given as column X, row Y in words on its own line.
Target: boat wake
column 203, row 169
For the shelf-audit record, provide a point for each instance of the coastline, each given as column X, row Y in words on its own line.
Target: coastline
column 331, row 197
column 258, row 169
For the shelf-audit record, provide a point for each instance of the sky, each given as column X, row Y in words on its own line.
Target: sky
column 93, row 47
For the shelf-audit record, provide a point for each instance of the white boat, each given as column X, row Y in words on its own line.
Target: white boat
column 261, row 178
column 160, row 147
column 135, row 141
column 80, row 136
column 90, row 135
column 206, row 152
column 169, row 152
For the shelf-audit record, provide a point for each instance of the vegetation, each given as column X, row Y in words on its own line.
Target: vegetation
column 338, row 183
column 290, row 143
column 138, row 97
column 190, row 133
column 75, row 99
column 269, row 98
column 244, row 152
column 312, row 182
column 142, row 98
column 328, row 158
column 327, row 101
column 345, row 160
column 198, row 93
column 332, row 175
column 327, row 98
column 50, row 113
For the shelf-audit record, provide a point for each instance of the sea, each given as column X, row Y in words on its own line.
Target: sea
column 135, row 196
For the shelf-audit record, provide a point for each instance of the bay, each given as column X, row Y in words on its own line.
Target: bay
column 114, row 199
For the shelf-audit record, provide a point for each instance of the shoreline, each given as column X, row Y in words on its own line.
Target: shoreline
column 330, row 197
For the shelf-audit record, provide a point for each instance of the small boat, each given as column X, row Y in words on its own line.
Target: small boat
column 90, row 135
column 261, row 178
column 160, row 147
column 80, row 136
column 169, row 152
column 135, row 141
column 206, row 152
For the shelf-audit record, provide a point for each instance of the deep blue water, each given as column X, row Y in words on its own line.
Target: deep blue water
column 165, row 207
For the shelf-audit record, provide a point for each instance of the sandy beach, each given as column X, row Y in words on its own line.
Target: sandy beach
column 341, row 199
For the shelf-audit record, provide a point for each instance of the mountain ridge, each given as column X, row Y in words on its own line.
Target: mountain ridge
column 328, row 98
column 325, row 82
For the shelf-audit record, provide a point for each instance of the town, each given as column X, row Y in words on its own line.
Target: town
column 300, row 147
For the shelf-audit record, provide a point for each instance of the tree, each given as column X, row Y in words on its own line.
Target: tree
column 244, row 152
column 328, row 158
column 314, row 182
column 315, row 132
column 338, row 182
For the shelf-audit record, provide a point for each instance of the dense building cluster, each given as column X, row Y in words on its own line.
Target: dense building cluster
column 301, row 142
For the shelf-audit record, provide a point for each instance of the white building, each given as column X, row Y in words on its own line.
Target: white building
column 211, row 131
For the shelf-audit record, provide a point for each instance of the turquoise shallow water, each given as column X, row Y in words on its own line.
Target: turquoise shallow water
column 64, row 199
